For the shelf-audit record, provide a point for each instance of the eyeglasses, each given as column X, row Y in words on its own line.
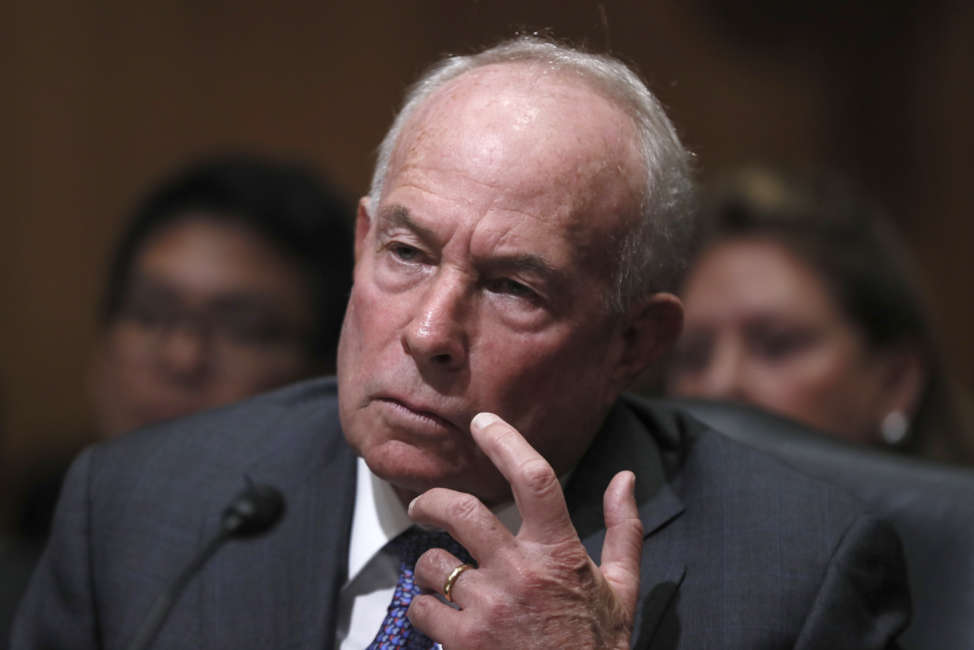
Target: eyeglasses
column 233, row 323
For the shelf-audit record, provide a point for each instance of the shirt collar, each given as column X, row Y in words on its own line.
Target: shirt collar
column 379, row 517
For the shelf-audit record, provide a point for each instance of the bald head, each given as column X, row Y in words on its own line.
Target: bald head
column 504, row 112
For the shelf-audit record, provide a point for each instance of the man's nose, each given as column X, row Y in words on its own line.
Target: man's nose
column 436, row 337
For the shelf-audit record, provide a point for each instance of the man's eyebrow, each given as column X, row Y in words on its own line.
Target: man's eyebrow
column 525, row 262
column 396, row 215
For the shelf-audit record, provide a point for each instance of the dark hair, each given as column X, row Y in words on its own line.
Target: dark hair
column 846, row 238
column 284, row 203
column 834, row 228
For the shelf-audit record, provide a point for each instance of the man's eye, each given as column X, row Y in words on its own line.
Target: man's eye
column 511, row 287
column 404, row 252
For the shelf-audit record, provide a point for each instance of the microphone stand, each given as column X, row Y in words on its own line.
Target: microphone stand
column 255, row 510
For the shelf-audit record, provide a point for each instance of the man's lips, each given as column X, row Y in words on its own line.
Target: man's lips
column 418, row 412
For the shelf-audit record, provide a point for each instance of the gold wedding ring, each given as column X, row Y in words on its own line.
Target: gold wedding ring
column 452, row 578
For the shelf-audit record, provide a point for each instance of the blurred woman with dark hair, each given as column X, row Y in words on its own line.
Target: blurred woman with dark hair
column 802, row 300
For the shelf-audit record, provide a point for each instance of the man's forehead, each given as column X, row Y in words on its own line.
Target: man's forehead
column 525, row 130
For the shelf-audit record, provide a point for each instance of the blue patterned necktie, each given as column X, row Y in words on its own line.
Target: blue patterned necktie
column 397, row 633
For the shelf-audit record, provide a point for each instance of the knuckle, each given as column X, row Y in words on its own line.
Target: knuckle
column 425, row 564
column 435, row 558
column 464, row 507
column 634, row 527
column 538, row 476
column 566, row 564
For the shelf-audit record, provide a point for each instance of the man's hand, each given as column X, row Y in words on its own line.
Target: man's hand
column 538, row 589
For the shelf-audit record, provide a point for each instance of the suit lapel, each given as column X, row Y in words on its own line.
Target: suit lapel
column 286, row 596
column 624, row 443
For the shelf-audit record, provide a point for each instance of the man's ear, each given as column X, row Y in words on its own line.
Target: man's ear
column 650, row 332
column 363, row 221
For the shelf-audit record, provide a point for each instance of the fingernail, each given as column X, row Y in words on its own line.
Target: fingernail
column 409, row 508
column 483, row 420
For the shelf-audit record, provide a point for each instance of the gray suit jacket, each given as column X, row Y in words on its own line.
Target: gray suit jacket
column 740, row 551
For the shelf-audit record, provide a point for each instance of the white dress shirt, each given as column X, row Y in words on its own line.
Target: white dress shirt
column 373, row 570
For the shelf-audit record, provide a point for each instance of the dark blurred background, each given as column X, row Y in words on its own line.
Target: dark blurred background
column 101, row 98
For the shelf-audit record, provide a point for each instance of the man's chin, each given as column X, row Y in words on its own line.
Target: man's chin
column 412, row 471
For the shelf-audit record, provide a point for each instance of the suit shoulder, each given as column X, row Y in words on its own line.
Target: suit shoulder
column 760, row 539
column 290, row 420
column 708, row 465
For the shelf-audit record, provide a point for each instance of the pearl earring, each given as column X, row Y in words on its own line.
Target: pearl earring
column 894, row 428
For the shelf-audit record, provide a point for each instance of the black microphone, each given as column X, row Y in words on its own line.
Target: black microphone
column 254, row 511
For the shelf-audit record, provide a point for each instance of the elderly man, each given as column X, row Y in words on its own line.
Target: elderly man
column 512, row 263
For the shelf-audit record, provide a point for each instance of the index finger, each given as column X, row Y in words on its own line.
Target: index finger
column 537, row 492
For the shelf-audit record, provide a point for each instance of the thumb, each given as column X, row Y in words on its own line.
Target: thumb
column 623, row 543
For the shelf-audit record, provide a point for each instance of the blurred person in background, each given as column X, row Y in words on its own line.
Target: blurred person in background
column 231, row 278
column 802, row 300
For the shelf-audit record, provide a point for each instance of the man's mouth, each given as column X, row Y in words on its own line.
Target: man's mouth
column 417, row 413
